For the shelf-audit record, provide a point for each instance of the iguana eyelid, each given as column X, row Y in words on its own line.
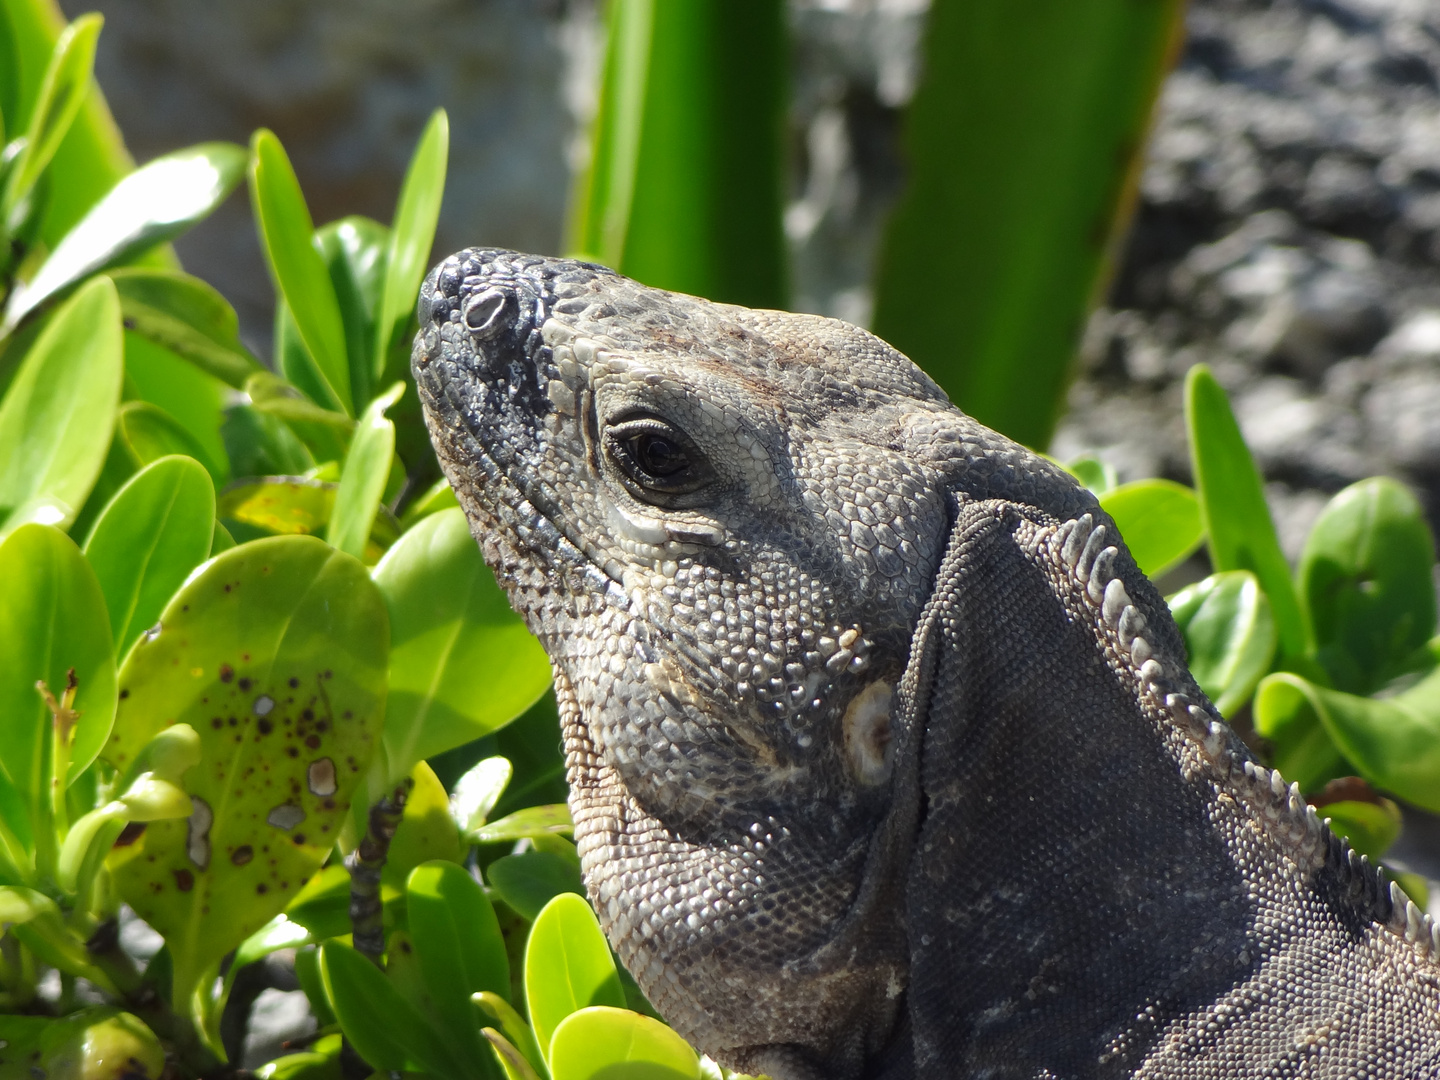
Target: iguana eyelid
column 619, row 437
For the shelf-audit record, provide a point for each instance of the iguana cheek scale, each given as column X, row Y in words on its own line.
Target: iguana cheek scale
column 884, row 757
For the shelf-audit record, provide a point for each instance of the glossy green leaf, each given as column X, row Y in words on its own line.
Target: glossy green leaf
column 426, row 833
column 10, row 62
column 440, row 496
column 517, row 1034
column 1392, row 742
column 62, row 92
column 153, row 204
column 1159, row 519
column 299, row 270
column 149, row 433
column 514, row 1063
column 386, row 1029
column 605, row 1043
column 1237, row 520
column 52, row 621
column 478, row 790
column 1024, row 140
column 355, row 249
column 57, row 416
column 1094, row 474
column 157, row 529
column 1229, row 634
column 306, row 1065
column 195, row 400
column 272, row 394
column 93, row 1042
column 530, row 880
column 323, row 906
column 1366, row 582
column 1371, row 827
column 531, row 822
column 462, row 663
column 362, row 480
column 279, row 504
column 1301, row 749
column 568, row 966
column 275, row 653
column 91, row 157
column 258, row 444
column 412, row 234
column 459, row 949
column 187, row 317
column 685, row 186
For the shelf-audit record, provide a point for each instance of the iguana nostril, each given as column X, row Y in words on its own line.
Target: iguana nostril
column 485, row 312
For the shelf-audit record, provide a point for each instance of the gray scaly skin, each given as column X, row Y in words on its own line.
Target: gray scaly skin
column 884, row 757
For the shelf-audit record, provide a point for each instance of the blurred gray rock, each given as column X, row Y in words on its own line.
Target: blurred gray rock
column 1287, row 234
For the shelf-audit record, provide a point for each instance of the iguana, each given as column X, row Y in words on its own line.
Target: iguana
column 884, row 758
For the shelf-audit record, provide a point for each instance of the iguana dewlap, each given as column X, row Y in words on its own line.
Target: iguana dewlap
column 884, row 758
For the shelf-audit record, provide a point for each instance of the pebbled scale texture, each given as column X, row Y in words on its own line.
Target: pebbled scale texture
column 884, row 758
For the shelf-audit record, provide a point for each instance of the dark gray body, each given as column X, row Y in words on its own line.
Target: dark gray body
column 884, row 758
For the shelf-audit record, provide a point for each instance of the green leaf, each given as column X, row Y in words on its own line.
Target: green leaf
column 685, row 186
column 1392, row 742
column 516, row 1065
column 568, row 966
column 157, row 529
column 354, row 249
column 1229, row 634
column 94, row 1042
column 1094, row 474
column 284, row 505
column 459, row 949
column 1024, row 142
column 412, row 234
column 192, row 398
column 605, row 1043
column 1232, row 504
column 1285, row 714
column 530, row 880
column 61, row 94
column 478, row 790
column 149, row 433
column 517, row 1034
column 187, row 317
column 323, row 906
column 10, row 61
column 52, row 621
column 440, row 496
column 462, row 663
column 1371, row 827
column 362, row 480
column 153, row 204
column 258, row 444
column 531, row 822
column 387, row 1030
column 57, row 416
column 1365, row 580
column 426, row 832
column 275, row 653
column 1159, row 519
column 299, row 270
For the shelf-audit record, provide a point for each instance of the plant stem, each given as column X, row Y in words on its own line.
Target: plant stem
column 365, row 864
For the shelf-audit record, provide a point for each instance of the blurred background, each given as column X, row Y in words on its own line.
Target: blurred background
column 1287, row 230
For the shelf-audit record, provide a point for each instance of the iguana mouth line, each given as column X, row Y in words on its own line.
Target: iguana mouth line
column 568, row 548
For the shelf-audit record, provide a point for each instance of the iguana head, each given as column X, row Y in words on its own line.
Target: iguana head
column 722, row 524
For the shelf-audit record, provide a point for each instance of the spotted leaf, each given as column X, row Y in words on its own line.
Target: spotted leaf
column 275, row 652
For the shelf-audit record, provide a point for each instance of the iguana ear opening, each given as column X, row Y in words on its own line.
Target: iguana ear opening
column 866, row 726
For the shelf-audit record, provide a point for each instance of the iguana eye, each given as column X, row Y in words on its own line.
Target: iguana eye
column 657, row 457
